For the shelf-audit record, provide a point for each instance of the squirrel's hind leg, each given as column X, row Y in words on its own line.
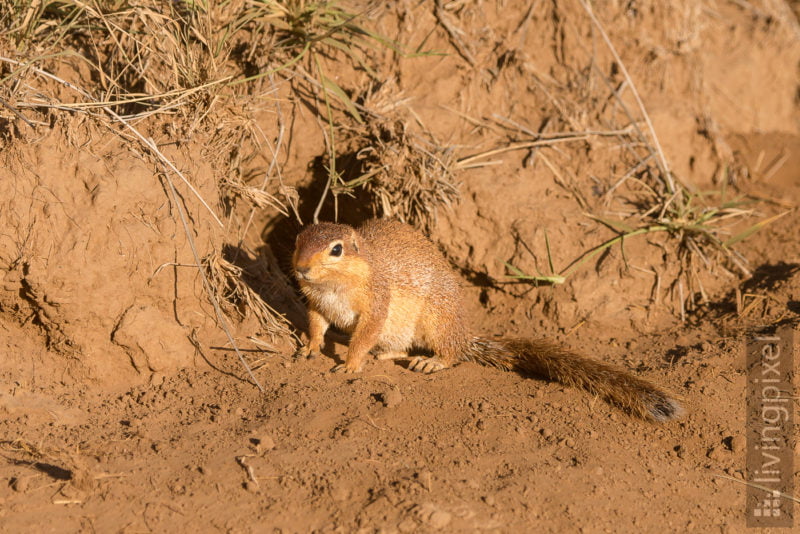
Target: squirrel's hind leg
column 444, row 334
column 421, row 364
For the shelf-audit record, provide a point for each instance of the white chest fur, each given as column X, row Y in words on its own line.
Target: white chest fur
column 334, row 305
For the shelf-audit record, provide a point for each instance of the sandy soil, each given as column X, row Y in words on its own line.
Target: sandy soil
column 123, row 409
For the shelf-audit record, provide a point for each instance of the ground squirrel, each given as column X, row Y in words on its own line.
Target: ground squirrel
column 389, row 287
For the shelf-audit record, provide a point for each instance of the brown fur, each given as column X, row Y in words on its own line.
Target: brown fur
column 392, row 290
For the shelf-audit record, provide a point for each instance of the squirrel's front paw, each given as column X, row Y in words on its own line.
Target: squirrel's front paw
column 306, row 352
column 346, row 368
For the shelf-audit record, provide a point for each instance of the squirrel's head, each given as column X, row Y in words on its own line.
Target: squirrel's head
column 325, row 252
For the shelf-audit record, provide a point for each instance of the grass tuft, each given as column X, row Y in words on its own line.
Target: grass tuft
column 698, row 224
column 173, row 69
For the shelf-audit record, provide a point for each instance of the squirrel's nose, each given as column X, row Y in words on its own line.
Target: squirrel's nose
column 302, row 270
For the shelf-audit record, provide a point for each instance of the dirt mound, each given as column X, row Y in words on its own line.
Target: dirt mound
column 154, row 179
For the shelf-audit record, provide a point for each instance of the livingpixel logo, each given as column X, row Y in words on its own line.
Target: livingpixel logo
column 770, row 428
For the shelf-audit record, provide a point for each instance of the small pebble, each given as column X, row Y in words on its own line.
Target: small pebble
column 21, row 484
column 546, row 432
column 489, row 500
column 340, row 494
column 392, row 398
column 425, row 478
column 264, row 442
column 439, row 519
column 251, row 486
column 407, row 525
column 738, row 443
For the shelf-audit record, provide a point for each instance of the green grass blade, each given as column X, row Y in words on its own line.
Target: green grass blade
column 617, row 226
column 519, row 275
column 343, row 98
column 611, row 242
column 753, row 229
column 549, row 254
column 279, row 68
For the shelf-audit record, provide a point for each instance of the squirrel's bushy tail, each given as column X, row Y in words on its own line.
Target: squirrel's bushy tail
column 549, row 360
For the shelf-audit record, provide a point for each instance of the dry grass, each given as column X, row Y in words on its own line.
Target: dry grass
column 410, row 179
column 409, row 176
column 702, row 227
column 210, row 67
column 206, row 67
column 150, row 68
column 239, row 297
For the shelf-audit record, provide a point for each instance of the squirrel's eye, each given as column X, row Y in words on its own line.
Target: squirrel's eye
column 336, row 250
